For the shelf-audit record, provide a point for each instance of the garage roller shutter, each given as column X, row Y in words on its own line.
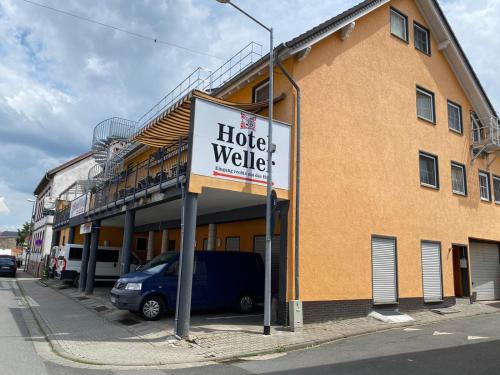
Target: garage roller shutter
column 431, row 272
column 384, row 270
column 485, row 270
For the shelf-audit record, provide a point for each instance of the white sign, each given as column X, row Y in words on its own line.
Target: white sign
column 86, row 228
column 232, row 145
column 78, row 206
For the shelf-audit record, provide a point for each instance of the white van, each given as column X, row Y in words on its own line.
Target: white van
column 69, row 261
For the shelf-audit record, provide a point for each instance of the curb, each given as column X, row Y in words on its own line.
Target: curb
column 58, row 350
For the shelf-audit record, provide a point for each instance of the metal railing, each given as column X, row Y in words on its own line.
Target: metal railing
column 485, row 132
column 167, row 164
column 205, row 80
column 61, row 216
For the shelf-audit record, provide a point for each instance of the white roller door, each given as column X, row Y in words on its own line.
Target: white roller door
column 384, row 270
column 485, row 268
column 431, row 272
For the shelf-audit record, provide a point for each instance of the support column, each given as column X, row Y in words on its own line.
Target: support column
column 164, row 241
column 94, row 243
column 212, row 234
column 85, row 261
column 128, row 237
column 186, row 267
column 71, row 235
column 151, row 245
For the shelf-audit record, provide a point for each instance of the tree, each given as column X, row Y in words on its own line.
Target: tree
column 24, row 232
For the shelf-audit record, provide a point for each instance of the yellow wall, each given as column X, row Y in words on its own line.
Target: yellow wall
column 360, row 166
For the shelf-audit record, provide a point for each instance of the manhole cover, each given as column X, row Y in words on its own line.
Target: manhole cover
column 128, row 322
column 83, row 298
column 100, row 308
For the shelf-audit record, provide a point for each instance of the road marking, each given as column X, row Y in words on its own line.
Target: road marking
column 438, row 333
column 477, row 338
column 412, row 329
column 233, row 317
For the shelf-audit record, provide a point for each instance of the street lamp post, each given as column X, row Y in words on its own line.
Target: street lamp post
column 270, row 150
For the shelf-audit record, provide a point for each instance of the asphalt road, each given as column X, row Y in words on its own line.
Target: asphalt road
column 466, row 346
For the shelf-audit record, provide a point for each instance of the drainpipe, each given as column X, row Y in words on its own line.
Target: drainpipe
column 297, row 180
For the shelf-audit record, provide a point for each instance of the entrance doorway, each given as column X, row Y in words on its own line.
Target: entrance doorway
column 461, row 271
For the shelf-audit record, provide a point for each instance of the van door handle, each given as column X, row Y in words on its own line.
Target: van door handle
column 159, row 287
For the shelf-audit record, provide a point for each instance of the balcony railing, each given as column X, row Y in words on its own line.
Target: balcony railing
column 485, row 133
column 165, row 166
column 61, row 216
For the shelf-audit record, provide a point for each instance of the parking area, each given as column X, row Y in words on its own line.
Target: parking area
column 202, row 322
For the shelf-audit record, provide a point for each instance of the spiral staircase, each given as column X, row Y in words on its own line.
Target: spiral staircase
column 110, row 137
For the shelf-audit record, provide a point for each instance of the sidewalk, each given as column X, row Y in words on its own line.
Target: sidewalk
column 89, row 330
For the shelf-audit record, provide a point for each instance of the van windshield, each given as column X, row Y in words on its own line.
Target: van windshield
column 156, row 264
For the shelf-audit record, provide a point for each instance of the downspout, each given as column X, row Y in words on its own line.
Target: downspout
column 297, row 180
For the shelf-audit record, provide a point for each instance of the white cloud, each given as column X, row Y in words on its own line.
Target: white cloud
column 59, row 76
column 3, row 206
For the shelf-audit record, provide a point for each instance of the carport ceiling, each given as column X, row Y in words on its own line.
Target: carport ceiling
column 210, row 201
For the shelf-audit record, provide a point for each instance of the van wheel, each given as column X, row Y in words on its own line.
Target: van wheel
column 152, row 308
column 76, row 281
column 246, row 304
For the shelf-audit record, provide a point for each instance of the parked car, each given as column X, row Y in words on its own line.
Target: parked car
column 8, row 265
column 69, row 261
column 220, row 280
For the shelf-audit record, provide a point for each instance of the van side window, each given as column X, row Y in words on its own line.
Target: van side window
column 110, row 256
column 173, row 269
column 200, row 269
column 75, row 253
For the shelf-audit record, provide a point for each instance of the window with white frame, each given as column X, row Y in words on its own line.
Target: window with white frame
column 458, row 178
column 425, row 105
column 232, row 243
column 428, row 170
column 455, row 117
column 261, row 92
column 422, row 38
column 496, row 188
column 399, row 25
column 484, row 186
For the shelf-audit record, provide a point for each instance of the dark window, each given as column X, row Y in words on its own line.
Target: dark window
column 399, row 25
column 205, row 243
column 422, row 38
column 455, row 117
column 232, row 243
column 458, row 178
column 142, row 244
column 429, row 170
column 484, row 186
column 75, row 253
column 107, row 255
column 496, row 188
column 425, row 105
column 260, row 92
column 171, row 245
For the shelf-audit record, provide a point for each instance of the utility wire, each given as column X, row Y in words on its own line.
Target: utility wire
column 137, row 35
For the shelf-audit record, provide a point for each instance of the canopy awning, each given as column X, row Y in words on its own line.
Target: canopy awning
column 174, row 122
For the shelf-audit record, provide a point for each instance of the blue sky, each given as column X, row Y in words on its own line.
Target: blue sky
column 60, row 76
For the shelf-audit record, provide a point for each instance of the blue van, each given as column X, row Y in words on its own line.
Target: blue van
column 220, row 280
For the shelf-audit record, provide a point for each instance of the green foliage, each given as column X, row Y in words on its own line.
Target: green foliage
column 23, row 233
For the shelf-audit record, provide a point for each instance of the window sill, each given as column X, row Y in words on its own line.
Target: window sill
column 462, row 195
column 457, row 132
column 485, row 200
column 424, row 52
column 400, row 39
column 427, row 186
column 432, row 122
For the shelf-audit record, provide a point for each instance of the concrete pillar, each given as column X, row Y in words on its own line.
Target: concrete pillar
column 151, row 245
column 94, row 243
column 71, row 235
column 164, row 241
column 85, row 261
column 128, row 237
column 212, row 235
column 186, row 266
